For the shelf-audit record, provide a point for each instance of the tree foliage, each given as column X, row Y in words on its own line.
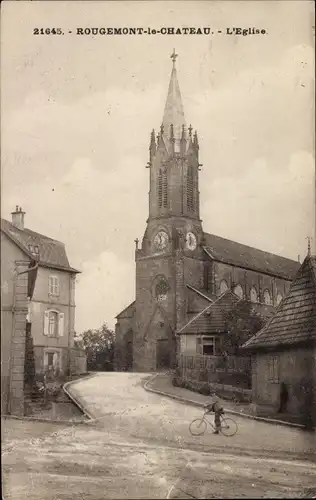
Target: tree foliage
column 99, row 345
column 242, row 323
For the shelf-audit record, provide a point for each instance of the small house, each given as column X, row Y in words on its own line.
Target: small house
column 284, row 352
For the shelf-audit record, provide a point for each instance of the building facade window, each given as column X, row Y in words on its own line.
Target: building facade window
column 161, row 290
column 223, row 287
column 52, row 363
column 165, row 187
column 253, row 295
column 267, row 297
column 239, row 291
column 208, row 346
column 53, row 323
column 273, row 372
column 162, row 188
column 53, row 285
column 159, row 188
column 190, row 191
column 279, row 298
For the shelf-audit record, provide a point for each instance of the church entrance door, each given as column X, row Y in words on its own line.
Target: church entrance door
column 162, row 354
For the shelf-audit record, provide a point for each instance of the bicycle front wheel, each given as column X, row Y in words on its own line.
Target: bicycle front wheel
column 197, row 427
column 228, row 427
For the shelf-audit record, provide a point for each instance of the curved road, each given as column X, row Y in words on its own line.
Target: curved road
column 139, row 446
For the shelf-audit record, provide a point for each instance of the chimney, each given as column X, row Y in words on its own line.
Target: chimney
column 18, row 217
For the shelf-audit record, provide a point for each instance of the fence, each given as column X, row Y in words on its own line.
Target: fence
column 232, row 370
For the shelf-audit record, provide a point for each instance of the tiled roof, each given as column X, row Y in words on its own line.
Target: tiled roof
column 202, row 293
column 295, row 317
column 231, row 252
column 52, row 253
column 212, row 318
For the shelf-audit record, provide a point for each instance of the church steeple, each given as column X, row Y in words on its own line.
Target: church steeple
column 174, row 113
column 174, row 161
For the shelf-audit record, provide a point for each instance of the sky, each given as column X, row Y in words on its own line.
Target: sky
column 77, row 112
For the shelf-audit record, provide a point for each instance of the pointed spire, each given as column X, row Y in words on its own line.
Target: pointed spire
column 152, row 146
column 308, row 245
column 183, row 133
column 183, row 142
column 152, row 139
column 195, row 140
column 173, row 113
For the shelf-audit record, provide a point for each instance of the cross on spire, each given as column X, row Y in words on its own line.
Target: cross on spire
column 174, row 57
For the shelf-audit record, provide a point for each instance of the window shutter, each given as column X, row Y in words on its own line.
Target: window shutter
column 56, row 286
column 46, row 322
column 61, row 325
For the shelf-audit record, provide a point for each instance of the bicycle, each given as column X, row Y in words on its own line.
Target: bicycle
column 198, row 426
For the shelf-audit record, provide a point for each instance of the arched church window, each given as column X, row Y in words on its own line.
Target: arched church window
column 267, row 297
column 279, row 298
column 239, row 291
column 161, row 290
column 223, row 287
column 253, row 295
column 165, row 188
column 190, row 201
column 159, row 187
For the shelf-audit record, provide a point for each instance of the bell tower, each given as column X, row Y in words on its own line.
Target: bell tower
column 170, row 255
column 173, row 160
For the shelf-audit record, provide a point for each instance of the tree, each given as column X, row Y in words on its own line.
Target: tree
column 99, row 346
column 242, row 323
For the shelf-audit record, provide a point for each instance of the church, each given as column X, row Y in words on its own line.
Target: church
column 181, row 269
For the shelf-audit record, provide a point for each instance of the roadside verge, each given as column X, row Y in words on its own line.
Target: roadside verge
column 154, row 386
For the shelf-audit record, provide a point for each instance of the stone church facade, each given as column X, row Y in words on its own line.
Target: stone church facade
column 180, row 269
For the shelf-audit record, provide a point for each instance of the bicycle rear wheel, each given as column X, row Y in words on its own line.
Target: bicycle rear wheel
column 197, row 427
column 228, row 427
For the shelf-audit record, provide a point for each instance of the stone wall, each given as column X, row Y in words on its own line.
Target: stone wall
column 78, row 361
column 296, row 369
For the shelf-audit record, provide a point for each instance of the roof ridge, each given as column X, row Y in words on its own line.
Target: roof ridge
column 250, row 247
column 26, row 229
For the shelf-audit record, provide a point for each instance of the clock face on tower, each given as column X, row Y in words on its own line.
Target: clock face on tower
column 161, row 240
column 190, row 241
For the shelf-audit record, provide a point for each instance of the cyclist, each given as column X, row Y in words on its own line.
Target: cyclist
column 216, row 407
